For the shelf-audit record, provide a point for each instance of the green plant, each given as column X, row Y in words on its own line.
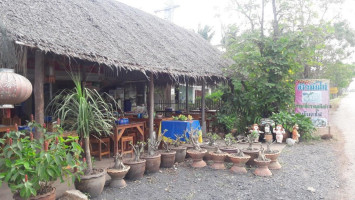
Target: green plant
column 229, row 139
column 177, row 141
column 138, row 149
column 85, row 111
column 153, row 144
column 212, row 137
column 29, row 166
column 287, row 120
column 227, row 121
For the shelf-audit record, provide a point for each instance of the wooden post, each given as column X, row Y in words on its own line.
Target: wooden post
column 151, row 106
column 203, row 111
column 38, row 90
column 187, row 96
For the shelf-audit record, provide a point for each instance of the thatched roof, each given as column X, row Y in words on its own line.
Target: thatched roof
column 111, row 33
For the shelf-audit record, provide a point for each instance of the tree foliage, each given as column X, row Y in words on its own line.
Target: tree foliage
column 298, row 41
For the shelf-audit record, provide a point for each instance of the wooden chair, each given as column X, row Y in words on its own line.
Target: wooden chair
column 125, row 147
column 100, row 147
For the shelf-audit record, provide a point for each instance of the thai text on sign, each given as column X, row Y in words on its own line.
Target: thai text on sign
column 312, row 100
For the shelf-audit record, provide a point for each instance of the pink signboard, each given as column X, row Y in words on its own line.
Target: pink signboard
column 312, row 100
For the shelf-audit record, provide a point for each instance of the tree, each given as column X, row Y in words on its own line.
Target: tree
column 206, row 32
column 297, row 42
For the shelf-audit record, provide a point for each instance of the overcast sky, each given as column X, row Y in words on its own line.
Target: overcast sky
column 216, row 13
column 191, row 13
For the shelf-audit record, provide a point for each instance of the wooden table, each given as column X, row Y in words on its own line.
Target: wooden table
column 3, row 128
column 120, row 129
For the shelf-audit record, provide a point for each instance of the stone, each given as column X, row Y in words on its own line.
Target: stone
column 311, row 189
column 290, row 142
column 73, row 195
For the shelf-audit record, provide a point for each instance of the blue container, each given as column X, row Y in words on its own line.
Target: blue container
column 126, row 121
column 123, row 121
column 48, row 119
column 117, row 121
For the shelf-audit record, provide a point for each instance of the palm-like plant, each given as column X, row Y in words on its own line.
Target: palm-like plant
column 85, row 111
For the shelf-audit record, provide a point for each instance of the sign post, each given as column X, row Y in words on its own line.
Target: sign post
column 312, row 100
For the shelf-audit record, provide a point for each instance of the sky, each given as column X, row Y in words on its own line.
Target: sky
column 217, row 13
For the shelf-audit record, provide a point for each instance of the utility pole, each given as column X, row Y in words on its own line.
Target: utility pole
column 168, row 10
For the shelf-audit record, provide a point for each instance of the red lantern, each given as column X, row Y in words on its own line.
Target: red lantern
column 14, row 88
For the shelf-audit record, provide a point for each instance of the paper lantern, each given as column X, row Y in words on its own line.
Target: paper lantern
column 14, row 88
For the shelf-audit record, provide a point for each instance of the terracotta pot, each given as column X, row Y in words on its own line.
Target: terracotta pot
column 209, row 149
column 152, row 164
column 188, row 146
column 268, row 138
column 167, row 159
column 137, row 169
column 253, row 154
column 238, row 163
column 180, row 153
column 92, row 184
column 274, row 164
column 230, row 150
column 218, row 160
column 48, row 196
column 262, row 168
column 197, row 157
column 117, row 176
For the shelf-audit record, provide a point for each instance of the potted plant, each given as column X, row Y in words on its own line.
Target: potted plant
column 238, row 159
column 137, row 165
column 180, row 150
column 167, row 156
column 85, row 111
column 197, row 152
column 272, row 155
column 218, row 158
column 153, row 158
column 211, row 145
column 262, row 164
column 118, row 172
column 30, row 166
column 252, row 152
column 229, row 140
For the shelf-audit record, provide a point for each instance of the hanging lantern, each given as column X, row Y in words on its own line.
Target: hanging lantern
column 14, row 88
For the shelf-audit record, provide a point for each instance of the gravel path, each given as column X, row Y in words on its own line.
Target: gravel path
column 309, row 172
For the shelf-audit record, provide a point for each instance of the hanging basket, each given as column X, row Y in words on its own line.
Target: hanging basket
column 14, row 88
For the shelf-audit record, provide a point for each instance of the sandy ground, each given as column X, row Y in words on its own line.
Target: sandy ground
column 342, row 127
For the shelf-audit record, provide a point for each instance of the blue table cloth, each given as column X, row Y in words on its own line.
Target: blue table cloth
column 176, row 127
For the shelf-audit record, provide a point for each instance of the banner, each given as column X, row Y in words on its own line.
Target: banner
column 312, row 100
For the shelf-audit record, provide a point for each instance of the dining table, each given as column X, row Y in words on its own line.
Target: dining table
column 121, row 128
column 178, row 128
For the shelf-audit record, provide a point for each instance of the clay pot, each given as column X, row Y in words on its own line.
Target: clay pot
column 48, row 196
column 262, row 168
column 274, row 164
column 268, row 137
column 209, row 149
column 137, row 169
column 197, row 157
column 180, row 153
column 92, row 184
column 152, row 164
column 117, row 176
column 253, row 155
column 167, row 159
column 238, row 163
column 230, row 150
column 188, row 146
column 218, row 160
